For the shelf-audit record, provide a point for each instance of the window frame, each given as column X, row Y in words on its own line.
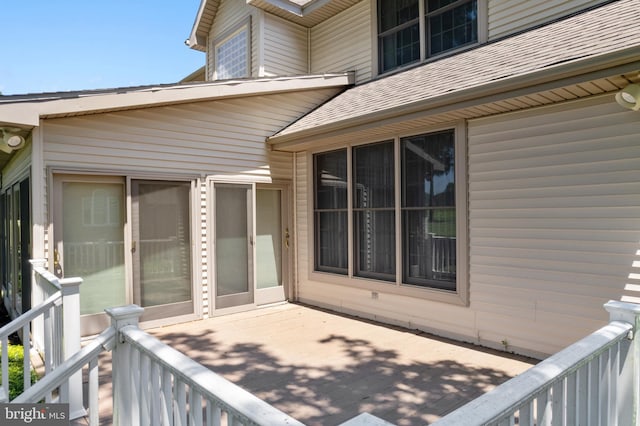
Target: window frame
column 244, row 26
column 459, row 296
column 425, row 42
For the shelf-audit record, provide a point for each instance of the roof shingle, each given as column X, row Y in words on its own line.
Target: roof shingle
column 609, row 28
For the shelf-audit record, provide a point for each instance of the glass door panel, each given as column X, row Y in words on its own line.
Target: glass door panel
column 161, row 248
column 233, row 244
column 272, row 242
column 89, row 243
column 268, row 239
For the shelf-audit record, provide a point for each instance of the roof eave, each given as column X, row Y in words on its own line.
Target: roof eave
column 622, row 61
column 28, row 114
column 197, row 39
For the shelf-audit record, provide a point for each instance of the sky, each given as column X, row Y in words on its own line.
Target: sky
column 65, row 45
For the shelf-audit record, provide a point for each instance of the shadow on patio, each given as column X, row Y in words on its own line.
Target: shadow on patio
column 323, row 368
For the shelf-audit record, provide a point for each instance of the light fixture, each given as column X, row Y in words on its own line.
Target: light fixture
column 629, row 97
column 11, row 140
column 15, row 142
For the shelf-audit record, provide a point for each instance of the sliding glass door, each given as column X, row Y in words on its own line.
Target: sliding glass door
column 161, row 248
column 251, row 244
column 89, row 221
column 233, row 244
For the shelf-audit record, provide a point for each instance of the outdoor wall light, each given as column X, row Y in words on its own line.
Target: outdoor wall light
column 11, row 141
column 629, row 97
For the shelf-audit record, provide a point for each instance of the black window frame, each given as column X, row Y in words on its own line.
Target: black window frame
column 461, row 30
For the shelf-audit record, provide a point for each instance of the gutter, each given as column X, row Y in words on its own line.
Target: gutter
column 547, row 78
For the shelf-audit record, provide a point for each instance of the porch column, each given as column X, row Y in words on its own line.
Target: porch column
column 70, row 289
column 125, row 411
column 628, row 408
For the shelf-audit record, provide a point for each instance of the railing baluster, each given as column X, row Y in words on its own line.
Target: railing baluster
column 614, row 369
column 593, row 418
column 94, row 417
column 195, row 408
column 48, row 324
column 167, row 398
column 26, row 354
column 216, row 414
column 135, row 387
column 525, row 414
column 572, row 399
column 5, row 365
column 557, row 403
column 582, row 395
column 154, row 383
column 543, row 415
column 604, row 369
column 180, row 412
column 144, row 390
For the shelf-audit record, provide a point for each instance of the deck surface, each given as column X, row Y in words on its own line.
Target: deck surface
column 324, row 368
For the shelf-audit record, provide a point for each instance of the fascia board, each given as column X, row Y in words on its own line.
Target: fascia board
column 25, row 116
column 196, row 42
column 29, row 113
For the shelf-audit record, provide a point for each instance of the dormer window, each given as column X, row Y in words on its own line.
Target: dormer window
column 232, row 55
column 413, row 30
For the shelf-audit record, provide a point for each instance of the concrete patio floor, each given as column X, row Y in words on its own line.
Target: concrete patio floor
column 324, row 368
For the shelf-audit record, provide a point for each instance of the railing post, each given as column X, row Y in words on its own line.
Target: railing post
column 70, row 289
column 629, row 379
column 37, row 297
column 124, row 398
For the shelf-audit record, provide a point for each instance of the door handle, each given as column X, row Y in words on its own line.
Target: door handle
column 57, row 268
column 133, row 246
column 286, row 238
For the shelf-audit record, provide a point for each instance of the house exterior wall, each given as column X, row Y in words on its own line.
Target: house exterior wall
column 18, row 168
column 231, row 14
column 222, row 139
column 508, row 16
column 285, row 47
column 345, row 42
column 554, row 204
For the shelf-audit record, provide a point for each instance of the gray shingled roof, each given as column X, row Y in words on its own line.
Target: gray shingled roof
column 602, row 31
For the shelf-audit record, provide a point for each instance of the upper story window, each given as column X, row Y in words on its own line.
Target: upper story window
column 232, row 55
column 412, row 30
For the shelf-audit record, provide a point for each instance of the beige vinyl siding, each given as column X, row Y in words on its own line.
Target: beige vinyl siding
column 303, row 198
column 554, row 208
column 344, row 43
column 231, row 14
column 510, row 16
column 285, row 47
column 18, row 167
column 224, row 139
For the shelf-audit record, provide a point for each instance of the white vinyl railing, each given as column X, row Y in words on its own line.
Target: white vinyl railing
column 592, row 382
column 153, row 384
column 54, row 324
column 595, row 381
column 60, row 378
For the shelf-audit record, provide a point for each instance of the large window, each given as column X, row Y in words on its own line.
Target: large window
column 412, row 30
column 330, row 211
column 404, row 224
column 232, row 55
column 429, row 210
column 374, row 211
